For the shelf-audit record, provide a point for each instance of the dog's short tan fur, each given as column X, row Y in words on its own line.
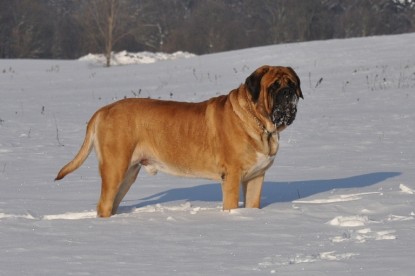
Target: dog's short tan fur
column 229, row 138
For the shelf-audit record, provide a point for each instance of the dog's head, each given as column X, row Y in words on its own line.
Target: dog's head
column 276, row 90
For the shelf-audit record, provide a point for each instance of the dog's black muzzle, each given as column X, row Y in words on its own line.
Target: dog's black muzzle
column 285, row 107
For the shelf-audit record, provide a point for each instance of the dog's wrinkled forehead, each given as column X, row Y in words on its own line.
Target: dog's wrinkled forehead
column 280, row 77
column 272, row 77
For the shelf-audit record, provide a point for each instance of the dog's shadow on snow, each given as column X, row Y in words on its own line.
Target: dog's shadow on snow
column 273, row 192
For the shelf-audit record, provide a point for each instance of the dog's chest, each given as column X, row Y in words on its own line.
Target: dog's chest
column 263, row 161
column 264, row 158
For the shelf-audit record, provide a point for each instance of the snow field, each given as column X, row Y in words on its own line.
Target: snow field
column 339, row 199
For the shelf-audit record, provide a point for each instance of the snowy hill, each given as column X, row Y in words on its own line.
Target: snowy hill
column 339, row 199
column 124, row 57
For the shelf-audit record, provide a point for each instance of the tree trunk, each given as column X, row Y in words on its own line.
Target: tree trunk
column 108, row 46
column 110, row 31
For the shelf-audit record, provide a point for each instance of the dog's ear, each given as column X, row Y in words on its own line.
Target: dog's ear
column 298, row 91
column 253, row 82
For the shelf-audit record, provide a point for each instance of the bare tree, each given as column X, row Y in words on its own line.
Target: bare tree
column 24, row 29
column 102, row 20
column 71, row 28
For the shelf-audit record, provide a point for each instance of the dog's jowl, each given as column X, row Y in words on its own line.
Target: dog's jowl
column 231, row 138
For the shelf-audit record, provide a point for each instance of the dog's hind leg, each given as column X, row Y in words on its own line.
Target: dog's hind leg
column 112, row 174
column 129, row 179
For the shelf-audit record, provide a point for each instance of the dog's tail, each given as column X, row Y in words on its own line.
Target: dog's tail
column 83, row 152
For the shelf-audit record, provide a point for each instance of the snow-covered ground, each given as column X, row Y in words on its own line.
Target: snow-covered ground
column 124, row 57
column 339, row 199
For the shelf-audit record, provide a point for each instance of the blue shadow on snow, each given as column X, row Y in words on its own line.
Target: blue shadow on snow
column 273, row 192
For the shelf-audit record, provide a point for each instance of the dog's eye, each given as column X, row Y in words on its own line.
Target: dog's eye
column 275, row 86
column 292, row 85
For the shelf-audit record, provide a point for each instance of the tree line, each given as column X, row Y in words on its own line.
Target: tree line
column 68, row 29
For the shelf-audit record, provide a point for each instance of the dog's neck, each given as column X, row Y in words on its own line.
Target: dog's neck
column 257, row 120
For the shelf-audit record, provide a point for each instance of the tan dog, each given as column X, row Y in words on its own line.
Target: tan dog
column 231, row 138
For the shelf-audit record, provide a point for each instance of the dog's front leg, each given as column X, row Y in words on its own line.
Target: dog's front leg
column 252, row 192
column 230, row 190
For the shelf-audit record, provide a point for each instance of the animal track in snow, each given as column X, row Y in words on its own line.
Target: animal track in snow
column 363, row 235
column 279, row 260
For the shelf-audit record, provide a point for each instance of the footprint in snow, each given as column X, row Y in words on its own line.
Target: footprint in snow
column 364, row 234
column 300, row 258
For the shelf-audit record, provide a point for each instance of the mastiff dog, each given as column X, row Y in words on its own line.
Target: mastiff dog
column 232, row 139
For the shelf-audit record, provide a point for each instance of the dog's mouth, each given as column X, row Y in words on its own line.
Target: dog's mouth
column 285, row 107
